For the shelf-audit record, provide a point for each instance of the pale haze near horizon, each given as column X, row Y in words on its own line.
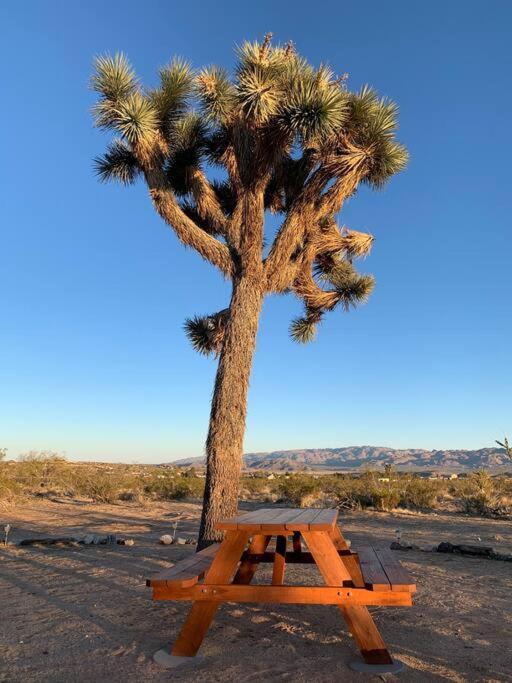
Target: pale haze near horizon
column 95, row 289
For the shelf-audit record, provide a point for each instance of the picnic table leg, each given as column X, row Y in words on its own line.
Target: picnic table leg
column 201, row 613
column 297, row 545
column 350, row 560
column 279, row 561
column 358, row 618
column 248, row 568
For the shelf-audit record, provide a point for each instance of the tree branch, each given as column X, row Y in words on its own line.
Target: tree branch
column 188, row 232
column 207, row 203
column 311, row 293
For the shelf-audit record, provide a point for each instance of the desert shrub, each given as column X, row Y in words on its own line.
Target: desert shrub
column 170, row 486
column 95, row 484
column 296, row 488
column 9, row 487
column 188, row 487
column 41, row 470
column 256, row 485
column 421, row 494
column 385, row 498
column 480, row 495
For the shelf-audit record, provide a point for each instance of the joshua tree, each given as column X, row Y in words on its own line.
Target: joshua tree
column 505, row 444
column 289, row 138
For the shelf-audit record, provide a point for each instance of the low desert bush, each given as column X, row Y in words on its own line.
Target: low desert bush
column 484, row 495
column 420, row 494
column 297, row 488
column 41, row 471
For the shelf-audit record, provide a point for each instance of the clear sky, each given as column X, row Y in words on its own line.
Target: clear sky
column 95, row 288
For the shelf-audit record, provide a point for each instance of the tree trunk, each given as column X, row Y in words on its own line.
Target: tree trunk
column 224, row 445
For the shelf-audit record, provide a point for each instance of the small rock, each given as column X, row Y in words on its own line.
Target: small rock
column 166, row 539
column 126, row 541
column 181, row 541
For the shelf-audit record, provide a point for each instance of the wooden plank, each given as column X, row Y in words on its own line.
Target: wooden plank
column 399, row 577
column 324, row 521
column 350, row 559
column 301, row 595
column 357, row 617
column 297, row 545
column 188, row 571
column 201, row 613
column 279, row 561
column 302, row 520
column 275, row 520
column 327, row 558
column 366, row 634
column 276, row 524
column 232, row 523
column 375, row 578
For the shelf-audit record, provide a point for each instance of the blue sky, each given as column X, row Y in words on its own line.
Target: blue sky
column 95, row 288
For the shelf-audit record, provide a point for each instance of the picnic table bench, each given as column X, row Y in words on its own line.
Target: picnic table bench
column 355, row 578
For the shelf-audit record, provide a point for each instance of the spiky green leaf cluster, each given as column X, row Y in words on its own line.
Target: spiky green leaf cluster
column 302, row 330
column 371, row 125
column 114, row 78
column 135, row 118
column 216, row 94
column 122, row 106
column 354, row 289
column 206, row 333
column 315, row 105
column 118, row 163
column 172, row 97
column 188, row 142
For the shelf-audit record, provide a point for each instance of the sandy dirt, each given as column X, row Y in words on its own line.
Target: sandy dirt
column 84, row 614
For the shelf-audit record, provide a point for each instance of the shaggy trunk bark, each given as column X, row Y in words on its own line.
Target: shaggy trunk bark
column 224, row 445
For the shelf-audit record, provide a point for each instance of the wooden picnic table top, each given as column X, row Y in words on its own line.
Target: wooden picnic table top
column 281, row 520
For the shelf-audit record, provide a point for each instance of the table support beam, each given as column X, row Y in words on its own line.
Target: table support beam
column 358, row 618
column 201, row 613
column 279, row 561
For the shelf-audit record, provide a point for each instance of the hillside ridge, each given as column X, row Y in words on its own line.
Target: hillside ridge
column 352, row 458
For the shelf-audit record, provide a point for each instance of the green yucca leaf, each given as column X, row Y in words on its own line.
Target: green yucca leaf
column 302, row 330
column 118, row 163
column 114, row 77
column 371, row 125
column 135, row 118
column 216, row 94
column 387, row 159
column 187, row 145
column 258, row 95
column 188, row 134
column 206, row 333
column 353, row 291
column 171, row 98
column 313, row 110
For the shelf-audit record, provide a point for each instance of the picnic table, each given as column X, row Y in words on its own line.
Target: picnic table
column 353, row 578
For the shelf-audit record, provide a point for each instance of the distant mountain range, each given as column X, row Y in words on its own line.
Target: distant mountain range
column 354, row 458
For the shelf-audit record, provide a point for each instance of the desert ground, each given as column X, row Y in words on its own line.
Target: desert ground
column 84, row 613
